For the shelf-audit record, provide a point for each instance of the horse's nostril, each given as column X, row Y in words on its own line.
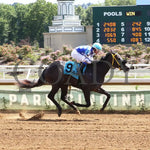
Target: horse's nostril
column 132, row 67
column 128, row 68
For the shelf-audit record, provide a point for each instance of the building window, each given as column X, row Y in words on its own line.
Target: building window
column 64, row 9
column 70, row 9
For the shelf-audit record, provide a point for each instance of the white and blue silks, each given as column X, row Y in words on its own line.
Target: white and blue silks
column 83, row 54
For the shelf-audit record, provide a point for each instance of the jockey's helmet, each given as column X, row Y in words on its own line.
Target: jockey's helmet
column 97, row 46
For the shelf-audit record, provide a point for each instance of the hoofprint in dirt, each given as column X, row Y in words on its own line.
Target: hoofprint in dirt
column 75, row 132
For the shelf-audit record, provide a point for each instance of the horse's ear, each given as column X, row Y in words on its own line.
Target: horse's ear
column 107, row 54
column 112, row 51
column 105, row 57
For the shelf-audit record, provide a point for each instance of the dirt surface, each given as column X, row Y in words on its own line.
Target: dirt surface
column 75, row 132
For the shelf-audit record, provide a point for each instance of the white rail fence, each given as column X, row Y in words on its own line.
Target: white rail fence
column 9, row 73
column 28, row 70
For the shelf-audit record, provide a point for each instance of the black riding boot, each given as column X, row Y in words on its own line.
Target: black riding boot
column 82, row 67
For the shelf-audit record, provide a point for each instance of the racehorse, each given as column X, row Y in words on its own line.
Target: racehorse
column 91, row 80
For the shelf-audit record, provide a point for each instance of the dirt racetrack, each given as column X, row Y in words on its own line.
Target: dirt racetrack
column 75, row 132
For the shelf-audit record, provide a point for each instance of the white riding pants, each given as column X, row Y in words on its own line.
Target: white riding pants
column 80, row 58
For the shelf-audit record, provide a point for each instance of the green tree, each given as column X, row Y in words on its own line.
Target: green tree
column 119, row 2
column 86, row 15
column 7, row 23
column 4, row 28
column 38, row 18
column 89, row 14
column 21, row 23
column 81, row 13
column 18, row 21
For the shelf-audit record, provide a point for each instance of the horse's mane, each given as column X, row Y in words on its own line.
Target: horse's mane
column 102, row 59
column 105, row 57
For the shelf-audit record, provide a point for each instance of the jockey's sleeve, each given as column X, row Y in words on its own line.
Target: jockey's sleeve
column 88, row 52
column 80, row 50
column 91, row 58
column 83, row 50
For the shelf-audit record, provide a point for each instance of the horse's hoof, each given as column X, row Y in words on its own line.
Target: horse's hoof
column 78, row 112
column 101, row 110
column 59, row 113
column 72, row 102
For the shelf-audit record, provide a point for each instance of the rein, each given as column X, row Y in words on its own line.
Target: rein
column 114, row 59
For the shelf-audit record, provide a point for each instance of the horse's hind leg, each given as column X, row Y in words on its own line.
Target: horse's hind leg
column 86, row 93
column 51, row 97
column 64, row 91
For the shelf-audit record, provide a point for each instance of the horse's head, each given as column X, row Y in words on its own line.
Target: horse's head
column 116, row 61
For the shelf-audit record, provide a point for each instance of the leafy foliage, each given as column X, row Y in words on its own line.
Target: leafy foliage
column 28, row 22
column 136, row 53
column 119, row 2
column 87, row 14
column 20, row 21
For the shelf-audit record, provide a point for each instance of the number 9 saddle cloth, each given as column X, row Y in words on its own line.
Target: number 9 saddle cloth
column 72, row 68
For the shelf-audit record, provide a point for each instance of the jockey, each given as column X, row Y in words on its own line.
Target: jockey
column 84, row 54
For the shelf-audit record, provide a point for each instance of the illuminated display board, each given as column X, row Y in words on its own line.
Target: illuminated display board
column 124, row 25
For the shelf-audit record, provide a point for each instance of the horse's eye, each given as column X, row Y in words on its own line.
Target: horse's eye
column 124, row 61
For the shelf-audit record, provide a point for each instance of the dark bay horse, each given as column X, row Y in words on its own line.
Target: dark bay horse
column 91, row 80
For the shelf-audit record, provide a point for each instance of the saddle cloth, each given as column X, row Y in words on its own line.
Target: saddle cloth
column 71, row 68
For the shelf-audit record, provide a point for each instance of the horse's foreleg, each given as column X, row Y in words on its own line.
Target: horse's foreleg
column 64, row 98
column 102, row 91
column 51, row 97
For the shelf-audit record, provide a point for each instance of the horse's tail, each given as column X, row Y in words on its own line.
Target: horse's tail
column 29, row 84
